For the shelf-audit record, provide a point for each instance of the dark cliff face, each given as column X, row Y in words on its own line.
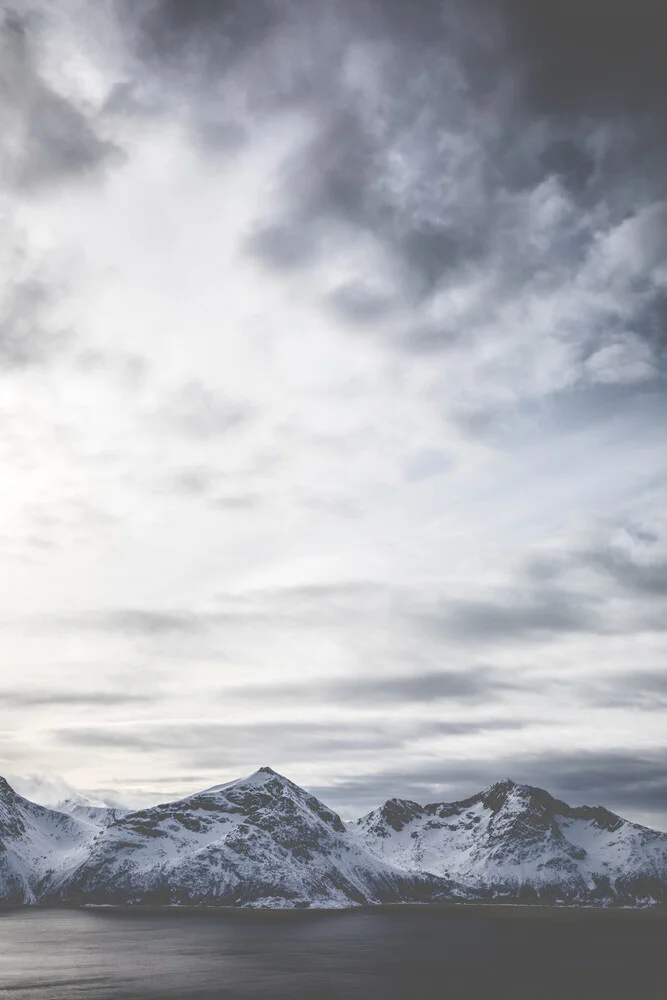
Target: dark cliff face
column 6, row 790
column 496, row 797
column 540, row 811
column 397, row 812
column 11, row 822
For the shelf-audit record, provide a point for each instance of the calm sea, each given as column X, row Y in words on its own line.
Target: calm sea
column 385, row 953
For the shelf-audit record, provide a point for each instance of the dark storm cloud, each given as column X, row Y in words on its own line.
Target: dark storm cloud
column 169, row 31
column 290, row 56
column 337, row 175
column 46, row 139
column 566, row 160
column 443, row 109
column 588, row 65
column 589, row 56
column 341, row 179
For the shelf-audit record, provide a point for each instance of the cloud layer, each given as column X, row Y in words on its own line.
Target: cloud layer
column 333, row 361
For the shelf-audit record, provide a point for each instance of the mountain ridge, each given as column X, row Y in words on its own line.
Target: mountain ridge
column 517, row 841
column 264, row 841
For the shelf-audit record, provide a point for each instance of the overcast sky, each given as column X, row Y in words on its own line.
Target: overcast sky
column 333, row 424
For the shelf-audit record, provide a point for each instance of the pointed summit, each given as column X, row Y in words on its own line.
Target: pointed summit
column 6, row 790
column 495, row 796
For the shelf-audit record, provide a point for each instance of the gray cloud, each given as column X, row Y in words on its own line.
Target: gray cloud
column 519, row 613
column 527, row 613
column 639, row 569
column 86, row 699
column 46, row 139
column 472, row 685
column 466, row 131
column 139, row 622
column 589, row 59
column 640, row 689
column 26, row 337
column 569, row 162
column 510, row 612
column 283, row 246
column 167, row 31
column 646, row 577
column 357, row 304
column 194, row 481
column 346, row 176
column 197, row 412
column 477, row 684
column 623, row 781
column 209, row 745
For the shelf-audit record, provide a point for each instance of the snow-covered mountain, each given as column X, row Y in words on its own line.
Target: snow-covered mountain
column 518, row 842
column 263, row 841
column 258, row 841
column 38, row 846
column 90, row 810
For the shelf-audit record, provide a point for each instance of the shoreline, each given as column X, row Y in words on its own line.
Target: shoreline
column 494, row 910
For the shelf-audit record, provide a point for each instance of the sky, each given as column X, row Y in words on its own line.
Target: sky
column 333, row 360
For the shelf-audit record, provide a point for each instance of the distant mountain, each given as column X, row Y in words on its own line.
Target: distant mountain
column 98, row 813
column 53, row 791
column 263, row 841
column 518, row 842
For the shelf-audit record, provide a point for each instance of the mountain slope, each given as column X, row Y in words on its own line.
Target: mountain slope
column 37, row 844
column 97, row 813
column 518, row 842
column 261, row 840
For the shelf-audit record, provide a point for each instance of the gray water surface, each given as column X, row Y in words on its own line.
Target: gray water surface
column 383, row 953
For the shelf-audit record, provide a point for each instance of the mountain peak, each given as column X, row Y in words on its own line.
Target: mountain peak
column 504, row 784
column 266, row 770
column 6, row 789
column 495, row 796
